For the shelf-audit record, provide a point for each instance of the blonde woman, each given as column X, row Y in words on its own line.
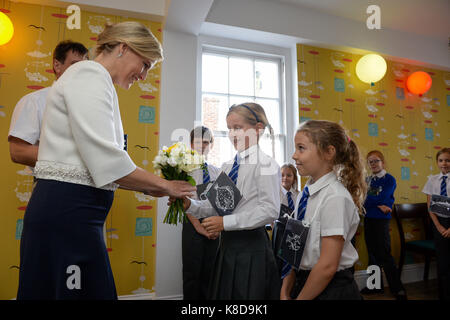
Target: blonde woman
column 81, row 162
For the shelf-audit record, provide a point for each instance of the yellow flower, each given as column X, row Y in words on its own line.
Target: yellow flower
column 171, row 147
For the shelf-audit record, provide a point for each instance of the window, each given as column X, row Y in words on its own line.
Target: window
column 231, row 78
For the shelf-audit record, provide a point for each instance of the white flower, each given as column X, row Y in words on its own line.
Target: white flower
column 172, row 162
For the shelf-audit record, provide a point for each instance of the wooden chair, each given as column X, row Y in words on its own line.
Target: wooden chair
column 424, row 247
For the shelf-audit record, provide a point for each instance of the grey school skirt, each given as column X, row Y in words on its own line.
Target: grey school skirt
column 245, row 267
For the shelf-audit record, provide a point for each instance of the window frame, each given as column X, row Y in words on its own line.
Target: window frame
column 283, row 57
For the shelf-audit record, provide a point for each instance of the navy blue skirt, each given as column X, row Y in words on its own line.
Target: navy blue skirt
column 62, row 250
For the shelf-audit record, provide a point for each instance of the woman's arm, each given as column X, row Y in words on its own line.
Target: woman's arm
column 325, row 268
column 149, row 183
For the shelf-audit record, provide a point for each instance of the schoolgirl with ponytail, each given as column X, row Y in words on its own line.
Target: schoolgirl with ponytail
column 330, row 204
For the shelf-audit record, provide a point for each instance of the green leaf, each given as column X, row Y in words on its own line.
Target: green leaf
column 191, row 181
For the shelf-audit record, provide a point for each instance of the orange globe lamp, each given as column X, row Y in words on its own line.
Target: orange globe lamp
column 6, row 29
column 419, row 82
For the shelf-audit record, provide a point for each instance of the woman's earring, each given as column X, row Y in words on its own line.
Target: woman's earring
column 119, row 55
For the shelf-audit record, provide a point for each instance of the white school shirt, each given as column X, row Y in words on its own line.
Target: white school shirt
column 337, row 215
column 259, row 181
column 27, row 117
column 433, row 185
column 82, row 137
column 283, row 195
column 197, row 175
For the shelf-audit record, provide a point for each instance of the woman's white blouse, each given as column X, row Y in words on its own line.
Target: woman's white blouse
column 82, row 139
column 259, row 180
column 336, row 215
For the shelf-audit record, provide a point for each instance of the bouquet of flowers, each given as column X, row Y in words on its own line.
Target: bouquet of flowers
column 176, row 163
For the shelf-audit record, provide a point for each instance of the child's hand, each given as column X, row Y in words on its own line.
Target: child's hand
column 446, row 233
column 385, row 209
column 284, row 297
column 441, row 230
column 186, row 202
column 199, row 228
column 213, row 236
column 213, row 224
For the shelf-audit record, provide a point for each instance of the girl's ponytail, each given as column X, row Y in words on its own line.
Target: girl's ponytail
column 352, row 173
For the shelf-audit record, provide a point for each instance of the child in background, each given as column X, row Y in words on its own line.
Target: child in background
column 439, row 184
column 245, row 266
column 378, row 205
column 198, row 246
column 331, row 201
column 288, row 194
column 289, row 185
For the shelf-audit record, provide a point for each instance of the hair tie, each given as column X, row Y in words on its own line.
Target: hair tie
column 245, row 106
column 348, row 139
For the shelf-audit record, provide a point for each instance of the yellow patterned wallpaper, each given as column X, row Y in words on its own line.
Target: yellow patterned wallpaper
column 408, row 129
column 26, row 65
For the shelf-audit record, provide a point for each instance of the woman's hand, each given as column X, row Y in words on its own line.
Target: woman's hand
column 213, row 224
column 179, row 189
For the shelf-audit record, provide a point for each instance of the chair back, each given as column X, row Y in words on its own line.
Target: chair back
column 411, row 211
column 424, row 247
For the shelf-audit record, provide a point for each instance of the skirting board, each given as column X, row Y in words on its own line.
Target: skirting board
column 410, row 273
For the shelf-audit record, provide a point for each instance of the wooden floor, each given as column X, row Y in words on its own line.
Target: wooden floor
column 423, row 290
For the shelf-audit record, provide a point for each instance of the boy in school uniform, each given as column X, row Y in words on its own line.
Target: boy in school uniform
column 198, row 246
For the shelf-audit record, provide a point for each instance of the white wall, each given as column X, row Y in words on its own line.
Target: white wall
column 178, row 98
column 320, row 29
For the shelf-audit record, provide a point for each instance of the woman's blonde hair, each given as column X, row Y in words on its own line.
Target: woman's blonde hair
column 293, row 169
column 254, row 113
column 135, row 35
column 347, row 163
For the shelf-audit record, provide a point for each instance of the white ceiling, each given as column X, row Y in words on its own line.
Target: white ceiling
column 422, row 17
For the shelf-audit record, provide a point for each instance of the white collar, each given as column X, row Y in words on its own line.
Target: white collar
column 380, row 174
column 323, row 181
column 441, row 175
column 292, row 190
column 249, row 151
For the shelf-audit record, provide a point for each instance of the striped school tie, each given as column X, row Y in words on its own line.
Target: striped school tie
column 234, row 170
column 302, row 205
column 290, row 201
column 206, row 177
column 444, row 186
column 300, row 215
